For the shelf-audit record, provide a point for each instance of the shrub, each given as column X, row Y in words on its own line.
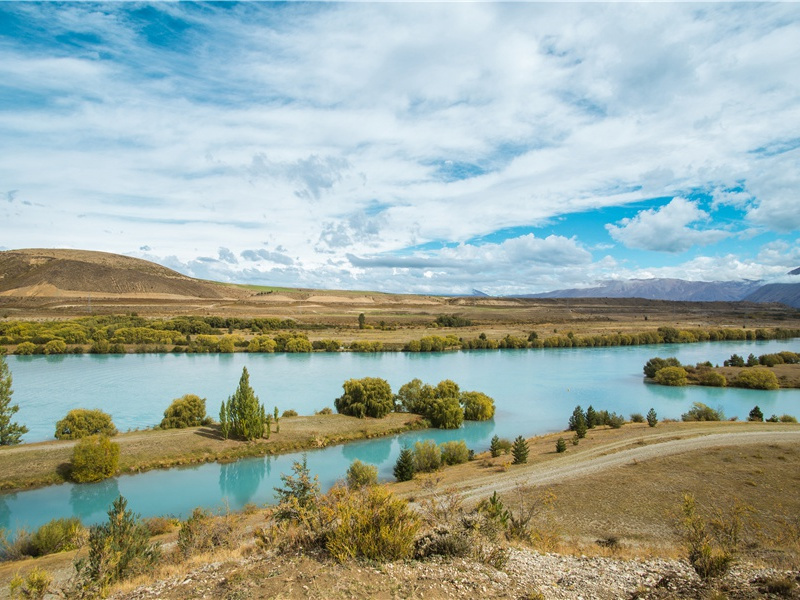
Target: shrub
column 360, row 474
column 755, row 415
column 300, row 491
column 637, row 418
column 324, row 411
column 711, row 546
column 371, row 523
column 404, row 467
column 454, row 452
column 94, row 458
column 81, row 422
column 701, row 412
column 652, row 417
column 26, row 349
column 788, row 419
column 203, row 532
column 561, row 445
column 675, row 376
column 366, row 397
column 614, row 420
column 35, row 584
column 55, row 347
column 756, row 379
column 293, row 413
column 519, row 450
column 477, row 406
column 187, row 411
column 58, row 535
column 713, row 379
column 427, row 457
column 118, row 549
column 654, row 365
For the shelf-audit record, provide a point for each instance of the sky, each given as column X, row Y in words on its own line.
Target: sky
column 510, row 148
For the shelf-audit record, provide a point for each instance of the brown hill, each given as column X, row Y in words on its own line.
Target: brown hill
column 64, row 273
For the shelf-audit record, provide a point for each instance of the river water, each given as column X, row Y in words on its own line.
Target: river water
column 534, row 390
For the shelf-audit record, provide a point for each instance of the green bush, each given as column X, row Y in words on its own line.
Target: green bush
column 82, row 422
column 372, row 524
column 35, row 584
column 26, row 349
column 701, row 412
column 756, row 379
column 654, row 365
column 454, row 452
column 788, row 419
column 55, row 347
column 366, row 397
column 712, row 379
column 652, row 417
column 58, row 535
column 293, row 413
column 94, row 458
column 404, row 467
column 477, row 406
column 637, row 418
column 675, row 376
column 427, row 457
column 187, row 411
column 561, row 445
column 360, row 474
column 118, row 550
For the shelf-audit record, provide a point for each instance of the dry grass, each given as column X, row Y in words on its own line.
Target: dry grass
column 43, row 463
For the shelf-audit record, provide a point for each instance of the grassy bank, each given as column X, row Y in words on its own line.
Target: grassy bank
column 46, row 463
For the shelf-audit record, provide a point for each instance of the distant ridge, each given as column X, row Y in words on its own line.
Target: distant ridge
column 63, row 273
column 785, row 293
column 661, row 289
column 795, row 271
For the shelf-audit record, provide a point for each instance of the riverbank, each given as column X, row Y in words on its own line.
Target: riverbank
column 633, row 479
column 46, row 463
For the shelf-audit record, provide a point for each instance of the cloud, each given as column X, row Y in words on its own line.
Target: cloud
column 226, row 255
column 316, row 174
column 259, row 255
column 666, row 229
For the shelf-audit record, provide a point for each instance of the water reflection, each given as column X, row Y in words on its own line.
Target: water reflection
column 373, row 451
column 240, row 481
column 5, row 511
column 87, row 498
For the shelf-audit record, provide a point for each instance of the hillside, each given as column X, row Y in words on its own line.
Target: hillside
column 785, row 293
column 664, row 289
column 69, row 273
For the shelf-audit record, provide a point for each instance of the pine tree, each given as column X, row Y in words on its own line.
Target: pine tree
column 404, row 467
column 10, row 433
column 224, row 426
column 577, row 422
column 652, row 418
column 755, row 415
column 561, row 445
column 277, row 421
column 494, row 447
column 244, row 411
column 519, row 451
column 591, row 417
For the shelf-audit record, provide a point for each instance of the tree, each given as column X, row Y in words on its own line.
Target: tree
column 477, row 406
column 300, row 490
column 494, row 447
column 366, row 397
column 224, row 426
column 10, row 432
column 561, row 445
column 118, row 550
column 752, row 361
column 519, row 451
column 187, row 411
column 757, row 379
column 362, row 321
column 654, row 365
column 82, row 422
column 756, row 415
column 577, row 422
column 94, row 458
column 404, row 467
column 277, row 421
column 591, row 417
column 244, row 411
column 652, row 418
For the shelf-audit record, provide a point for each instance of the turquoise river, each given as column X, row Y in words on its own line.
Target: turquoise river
column 535, row 392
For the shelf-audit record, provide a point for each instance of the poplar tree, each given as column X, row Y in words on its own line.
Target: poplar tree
column 10, row 432
column 224, row 426
column 244, row 411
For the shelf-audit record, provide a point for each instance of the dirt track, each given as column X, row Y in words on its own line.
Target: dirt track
column 614, row 454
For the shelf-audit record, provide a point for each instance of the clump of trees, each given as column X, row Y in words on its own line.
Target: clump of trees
column 94, row 458
column 242, row 415
column 366, row 397
column 426, row 457
column 81, row 422
column 580, row 421
column 187, row 411
column 445, row 406
column 11, row 432
column 452, row 321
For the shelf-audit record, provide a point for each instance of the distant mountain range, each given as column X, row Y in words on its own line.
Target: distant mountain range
column 695, row 291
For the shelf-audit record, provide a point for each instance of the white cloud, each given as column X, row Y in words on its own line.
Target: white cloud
column 666, row 229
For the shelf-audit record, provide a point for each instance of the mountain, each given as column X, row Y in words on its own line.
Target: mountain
column 795, row 271
column 662, row 289
column 71, row 273
column 785, row 293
